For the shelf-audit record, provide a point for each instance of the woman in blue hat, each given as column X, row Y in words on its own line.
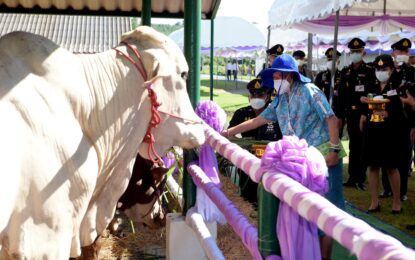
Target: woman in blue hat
column 302, row 109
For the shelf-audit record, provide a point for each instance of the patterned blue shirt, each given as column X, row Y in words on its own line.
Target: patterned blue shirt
column 303, row 113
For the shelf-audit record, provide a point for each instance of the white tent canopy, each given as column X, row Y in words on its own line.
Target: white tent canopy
column 230, row 32
column 383, row 16
column 284, row 13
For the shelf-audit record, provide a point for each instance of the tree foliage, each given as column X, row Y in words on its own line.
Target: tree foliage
column 163, row 28
column 167, row 28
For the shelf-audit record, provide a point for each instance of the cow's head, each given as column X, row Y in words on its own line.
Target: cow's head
column 167, row 70
column 141, row 202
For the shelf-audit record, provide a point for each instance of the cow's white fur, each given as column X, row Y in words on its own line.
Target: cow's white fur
column 70, row 131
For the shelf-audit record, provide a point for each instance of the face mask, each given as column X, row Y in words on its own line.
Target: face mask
column 402, row 59
column 257, row 103
column 382, row 76
column 282, row 86
column 329, row 64
column 356, row 57
column 300, row 62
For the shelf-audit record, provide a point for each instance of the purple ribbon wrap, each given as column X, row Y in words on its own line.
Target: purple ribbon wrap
column 292, row 157
column 215, row 117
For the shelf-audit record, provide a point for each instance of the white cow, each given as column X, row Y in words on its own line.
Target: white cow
column 71, row 127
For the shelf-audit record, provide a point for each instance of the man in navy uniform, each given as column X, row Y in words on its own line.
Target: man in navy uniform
column 259, row 98
column 323, row 81
column 354, row 80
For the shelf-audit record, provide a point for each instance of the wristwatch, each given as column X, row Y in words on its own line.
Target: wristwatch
column 336, row 150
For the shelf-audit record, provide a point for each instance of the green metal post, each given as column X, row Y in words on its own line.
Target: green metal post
column 146, row 13
column 192, row 25
column 267, row 223
column 189, row 188
column 212, row 46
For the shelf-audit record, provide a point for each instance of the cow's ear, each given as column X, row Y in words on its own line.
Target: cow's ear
column 155, row 70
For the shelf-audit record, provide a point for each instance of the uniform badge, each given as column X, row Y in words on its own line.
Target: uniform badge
column 356, row 43
column 405, row 44
column 279, row 49
column 257, row 85
column 380, row 62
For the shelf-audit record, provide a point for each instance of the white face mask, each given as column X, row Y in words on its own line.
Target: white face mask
column 329, row 64
column 257, row 103
column 282, row 86
column 355, row 57
column 382, row 76
column 400, row 59
column 300, row 62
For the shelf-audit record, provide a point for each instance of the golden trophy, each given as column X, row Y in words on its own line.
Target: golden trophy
column 377, row 106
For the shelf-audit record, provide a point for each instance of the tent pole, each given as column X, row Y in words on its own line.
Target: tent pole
column 212, row 42
column 268, row 43
column 268, row 36
column 310, row 56
column 333, row 71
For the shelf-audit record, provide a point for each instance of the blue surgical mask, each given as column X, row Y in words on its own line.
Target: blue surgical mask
column 356, row 57
column 382, row 76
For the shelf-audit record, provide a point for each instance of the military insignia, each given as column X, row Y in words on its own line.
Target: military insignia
column 279, row 49
column 405, row 44
column 331, row 52
column 380, row 62
column 257, row 85
column 356, row 43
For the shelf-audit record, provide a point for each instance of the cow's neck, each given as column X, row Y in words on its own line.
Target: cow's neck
column 116, row 89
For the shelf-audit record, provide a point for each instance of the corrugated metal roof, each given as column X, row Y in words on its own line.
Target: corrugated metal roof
column 78, row 34
column 160, row 8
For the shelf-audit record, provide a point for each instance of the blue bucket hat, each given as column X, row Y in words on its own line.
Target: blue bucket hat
column 283, row 63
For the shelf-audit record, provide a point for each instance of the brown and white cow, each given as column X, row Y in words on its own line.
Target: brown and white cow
column 71, row 128
column 141, row 201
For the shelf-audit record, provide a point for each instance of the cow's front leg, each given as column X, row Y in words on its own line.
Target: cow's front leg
column 90, row 252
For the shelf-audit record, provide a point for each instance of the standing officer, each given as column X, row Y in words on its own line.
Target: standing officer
column 323, row 81
column 354, row 80
column 299, row 57
column 259, row 98
column 405, row 74
column 274, row 52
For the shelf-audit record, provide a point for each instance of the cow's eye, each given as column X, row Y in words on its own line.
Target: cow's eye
column 184, row 75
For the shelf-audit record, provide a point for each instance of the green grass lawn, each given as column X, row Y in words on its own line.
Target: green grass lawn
column 361, row 200
column 226, row 94
column 229, row 85
column 223, row 96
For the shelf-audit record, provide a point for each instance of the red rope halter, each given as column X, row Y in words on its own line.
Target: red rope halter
column 155, row 116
